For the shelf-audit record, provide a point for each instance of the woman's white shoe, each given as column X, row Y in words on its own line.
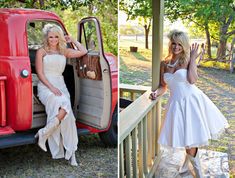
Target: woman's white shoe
column 196, row 165
column 185, row 167
column 73, row 161
column 45, row 132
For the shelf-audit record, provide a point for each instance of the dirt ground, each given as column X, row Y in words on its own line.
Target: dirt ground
column 30, row 161
column 219, row 85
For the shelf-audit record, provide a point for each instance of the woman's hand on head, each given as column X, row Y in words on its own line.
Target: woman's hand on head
column 194, row 52
column 56, row 91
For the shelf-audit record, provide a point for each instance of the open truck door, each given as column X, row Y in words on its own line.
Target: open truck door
column 94, row 102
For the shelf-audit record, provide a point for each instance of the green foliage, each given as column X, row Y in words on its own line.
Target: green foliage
column 194, row 31
column 11, row 3
column 215, row 64
column 37, row 4
column 138, row 9
column 217, row 15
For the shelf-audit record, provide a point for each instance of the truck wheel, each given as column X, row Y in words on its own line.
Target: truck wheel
column 109, row 138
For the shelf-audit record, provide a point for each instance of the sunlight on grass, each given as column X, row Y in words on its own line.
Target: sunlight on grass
column 126, row 43
column 215, row 64
column 135, row 60
column 134, row 76
column 135, row 68
column 140, row 43
column 139, row 56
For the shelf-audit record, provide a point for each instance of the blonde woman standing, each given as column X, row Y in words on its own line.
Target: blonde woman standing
column 191, row 118
column 60, row 130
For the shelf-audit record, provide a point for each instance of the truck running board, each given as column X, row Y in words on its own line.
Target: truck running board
column 24, row 138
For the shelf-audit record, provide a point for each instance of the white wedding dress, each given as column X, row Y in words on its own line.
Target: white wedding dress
column 191, row 118
column 65, row 136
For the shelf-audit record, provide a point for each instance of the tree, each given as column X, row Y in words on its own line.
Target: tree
column 37, row 4
column 216, row 18
column 141, row 9
column 187, row 11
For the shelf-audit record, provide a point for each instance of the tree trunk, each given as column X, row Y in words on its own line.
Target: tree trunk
column 222, row 47
column 41, row 3
column 90, row 9
column 147, row 29
column 208, row 40
column 232, row 57
column 223, row 36
column 146, row 37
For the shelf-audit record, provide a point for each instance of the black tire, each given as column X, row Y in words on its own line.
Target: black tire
column 109, row 138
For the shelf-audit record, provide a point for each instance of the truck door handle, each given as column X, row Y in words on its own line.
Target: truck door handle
column 105, row 71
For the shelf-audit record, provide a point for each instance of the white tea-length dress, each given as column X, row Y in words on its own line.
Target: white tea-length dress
column 191, row 118
column 65, row 136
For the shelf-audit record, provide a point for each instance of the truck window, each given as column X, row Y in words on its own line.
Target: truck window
column 34, row 31
column 35, row 35
column 89, row 36
column 35, row 38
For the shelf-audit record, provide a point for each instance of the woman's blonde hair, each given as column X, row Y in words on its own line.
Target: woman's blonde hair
column 59, row 32
column 181, row 38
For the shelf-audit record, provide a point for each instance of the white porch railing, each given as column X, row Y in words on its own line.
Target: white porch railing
column 139, row 126
column 132, row 91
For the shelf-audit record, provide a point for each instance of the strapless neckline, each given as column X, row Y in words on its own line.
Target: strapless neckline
column 53, row 54
column 175, row 71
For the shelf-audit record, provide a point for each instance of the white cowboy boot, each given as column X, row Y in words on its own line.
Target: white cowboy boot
column 196, row 165
column 73, row 161
column 185, row 167
column 45, row 132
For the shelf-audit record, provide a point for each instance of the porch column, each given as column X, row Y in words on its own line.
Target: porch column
column 157, row 45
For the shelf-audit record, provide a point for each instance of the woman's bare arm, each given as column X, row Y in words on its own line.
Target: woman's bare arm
column 39, row 69
column 192, row 67
column 162, row 85
column 71, row 53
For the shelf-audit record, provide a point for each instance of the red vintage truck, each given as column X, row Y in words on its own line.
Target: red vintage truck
column 92, row 80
